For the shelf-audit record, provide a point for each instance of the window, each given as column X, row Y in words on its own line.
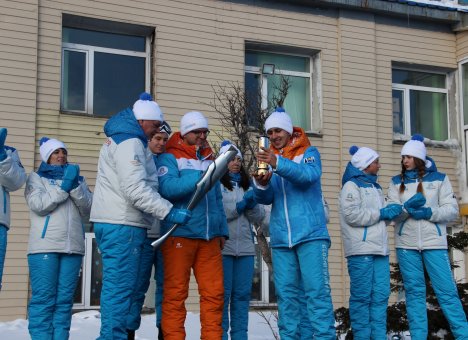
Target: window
column 263, row 288
column 420, row 105
column 263, row 72
column 103, row 69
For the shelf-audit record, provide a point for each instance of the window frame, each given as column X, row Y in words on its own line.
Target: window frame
column 315, row 86
column 406, row 98
column 98, row 25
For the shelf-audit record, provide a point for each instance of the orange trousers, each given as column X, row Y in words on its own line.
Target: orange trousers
column 180, row 256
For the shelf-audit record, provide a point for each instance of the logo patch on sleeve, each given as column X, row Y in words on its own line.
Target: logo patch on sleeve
column 162, row 171
column 310, row 159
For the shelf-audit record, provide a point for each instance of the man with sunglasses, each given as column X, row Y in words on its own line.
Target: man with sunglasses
column 198, row 244
column 126, row 201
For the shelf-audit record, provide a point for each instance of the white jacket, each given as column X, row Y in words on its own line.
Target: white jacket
column 361, row 230
column 126, row 189
column 240, row 242
column 12, row 177
column 425, row 234
column 56, row 216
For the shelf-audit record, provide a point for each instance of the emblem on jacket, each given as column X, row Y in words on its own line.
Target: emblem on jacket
column 310, row 159
column 162, row 171
column 136, row 160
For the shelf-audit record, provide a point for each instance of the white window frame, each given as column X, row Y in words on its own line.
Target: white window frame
column 406, row 98
column 90, row 50
column 313, row 64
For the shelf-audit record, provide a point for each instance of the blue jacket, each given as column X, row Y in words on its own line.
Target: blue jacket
column 295, row 192
column 177, row 180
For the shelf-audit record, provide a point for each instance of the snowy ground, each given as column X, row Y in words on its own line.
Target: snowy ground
column 85, row 326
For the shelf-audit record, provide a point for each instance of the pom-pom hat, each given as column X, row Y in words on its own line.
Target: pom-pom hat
column 191, row 121
column 226, row 144
column 146, row 109
column 415, row 147
column 47, row 146
column 279, row 119
column 362, row 157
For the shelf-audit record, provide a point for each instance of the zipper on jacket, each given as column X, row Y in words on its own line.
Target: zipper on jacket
column 438, row 229
column 238, row 219
column 4, row 202
column 365, row 234
column 419, row 237
column 207, row 220
column 46, row 224
column 69, row 226
column 286, row 214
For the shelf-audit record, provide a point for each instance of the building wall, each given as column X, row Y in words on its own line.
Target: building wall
column 198, row 45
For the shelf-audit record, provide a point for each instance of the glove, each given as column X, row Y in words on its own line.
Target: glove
column 240, row 206
column 178, row 216
column 3, row 135
column 390, row 211
column 417, row 201
column 70, row 177
column 423, row 213
column 250, row 200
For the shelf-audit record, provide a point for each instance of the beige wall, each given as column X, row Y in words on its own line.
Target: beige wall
column 199, row 44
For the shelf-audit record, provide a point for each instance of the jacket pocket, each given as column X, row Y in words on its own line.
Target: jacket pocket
column 401, row 228
column 438, row 229
column 46, row 224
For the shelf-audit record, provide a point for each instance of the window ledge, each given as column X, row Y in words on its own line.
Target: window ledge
column 453, row 144
column 314, row 134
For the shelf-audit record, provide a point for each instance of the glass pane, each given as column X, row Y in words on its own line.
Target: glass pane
column 398, row 105
column 418, row 78
column 271, row 291
column 465, row 92
column 252, row 90
column 104, row 39
column 114, row 91
column 281, row 61
column 429, row 114
column 297, row 103
column 78, row 299
column 74, row 81
column 257, row 278
column 96, row 276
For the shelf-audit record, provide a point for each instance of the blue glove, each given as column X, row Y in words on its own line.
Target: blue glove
column 178, row 216
column 240, row 206
column 417, row 201
column 423, row 213
column 3, row 134
column 390, row 211
column 250, row 200
column 70, row 177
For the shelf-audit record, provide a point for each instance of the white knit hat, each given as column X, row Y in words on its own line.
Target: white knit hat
column 47, row 146
column 146, row 109
column 415, row 147
column 191, row 121
column 362, row 157
column 226, row 144
column 279, row 119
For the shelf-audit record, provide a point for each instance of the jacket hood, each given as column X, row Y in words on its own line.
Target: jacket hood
column 298, row 144
column 123, row 126
column 180, row 149
column 359, row 177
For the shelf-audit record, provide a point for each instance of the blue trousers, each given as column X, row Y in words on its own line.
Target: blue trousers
column 149, row 258
column 238, row 274
column 121, row 248
column 370, row 290
column 306, row 262
column 437, row 264
column 3, row 246
column 54, row 277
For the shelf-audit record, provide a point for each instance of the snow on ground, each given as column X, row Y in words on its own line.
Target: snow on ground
column 85, row 326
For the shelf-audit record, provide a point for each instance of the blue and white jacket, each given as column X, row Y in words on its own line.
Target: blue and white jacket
column 360, row 201
column 297, row 213
column 424, row 234
column 12, row 177
column 126, row 189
